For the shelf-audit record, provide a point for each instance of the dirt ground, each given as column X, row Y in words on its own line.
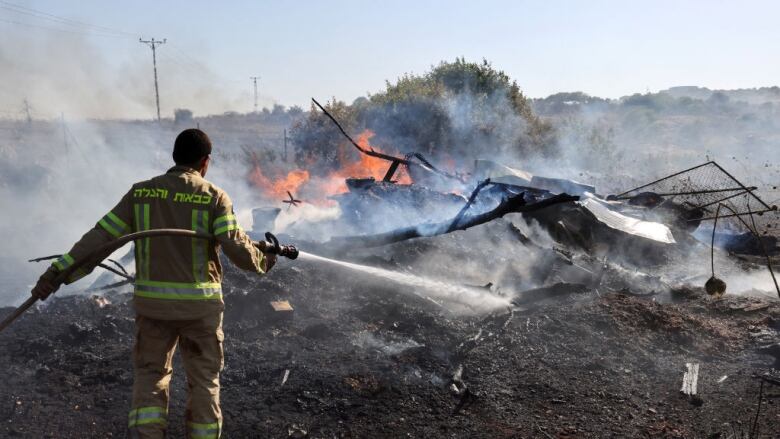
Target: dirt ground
column 369, row 359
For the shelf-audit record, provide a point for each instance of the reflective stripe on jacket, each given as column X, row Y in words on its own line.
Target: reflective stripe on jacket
column 176, row 278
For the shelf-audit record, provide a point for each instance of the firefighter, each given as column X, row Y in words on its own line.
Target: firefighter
column 178, row 295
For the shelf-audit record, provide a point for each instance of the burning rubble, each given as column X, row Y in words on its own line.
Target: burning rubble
column 319, row 189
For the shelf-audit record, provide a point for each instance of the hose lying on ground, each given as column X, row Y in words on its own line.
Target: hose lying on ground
column 106, row 250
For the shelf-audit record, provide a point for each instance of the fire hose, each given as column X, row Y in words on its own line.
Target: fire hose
column 270, row 246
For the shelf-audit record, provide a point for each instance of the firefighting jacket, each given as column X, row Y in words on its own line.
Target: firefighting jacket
column 177, row 278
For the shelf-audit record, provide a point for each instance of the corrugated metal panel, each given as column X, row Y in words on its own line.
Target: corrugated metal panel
column 646, row 229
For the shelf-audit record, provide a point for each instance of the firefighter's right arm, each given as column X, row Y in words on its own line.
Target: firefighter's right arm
column 238, row 247
column 117, row 222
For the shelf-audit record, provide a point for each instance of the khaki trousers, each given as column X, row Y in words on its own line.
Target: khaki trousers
column 201, row 350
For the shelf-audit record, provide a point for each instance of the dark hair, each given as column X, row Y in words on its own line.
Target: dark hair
column 191, row 146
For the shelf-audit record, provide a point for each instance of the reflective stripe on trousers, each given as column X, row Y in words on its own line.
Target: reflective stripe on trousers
column 146, row 415
column 200, row 345
column 204, row 431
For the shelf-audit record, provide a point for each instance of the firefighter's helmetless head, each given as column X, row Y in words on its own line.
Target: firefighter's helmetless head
column 192, row 149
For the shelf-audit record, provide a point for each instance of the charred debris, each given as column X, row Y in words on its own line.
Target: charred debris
column 641, row 225
column 647, row 226
column 652, row 312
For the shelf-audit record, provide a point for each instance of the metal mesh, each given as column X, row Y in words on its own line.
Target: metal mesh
column 708, row 185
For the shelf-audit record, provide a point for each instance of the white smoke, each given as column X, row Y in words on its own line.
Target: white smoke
column 67, row 73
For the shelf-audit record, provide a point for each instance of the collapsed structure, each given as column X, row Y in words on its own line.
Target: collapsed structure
column 641, row 225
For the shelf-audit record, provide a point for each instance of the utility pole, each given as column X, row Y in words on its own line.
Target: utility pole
column 27, row 111
column 153, row 44
column 285, row 145
column 64, row 131
column 254, row 80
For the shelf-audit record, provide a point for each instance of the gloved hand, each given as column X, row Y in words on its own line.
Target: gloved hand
column 271, row 245
column 270, row 258
column 261, row 245
column 270, row 261
column 46, row 285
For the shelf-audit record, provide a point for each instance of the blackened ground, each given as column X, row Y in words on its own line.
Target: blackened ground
column 369, row 359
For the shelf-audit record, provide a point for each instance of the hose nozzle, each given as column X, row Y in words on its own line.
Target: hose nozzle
column 272, row 246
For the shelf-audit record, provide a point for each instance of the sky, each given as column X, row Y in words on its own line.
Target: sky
column 346, row 49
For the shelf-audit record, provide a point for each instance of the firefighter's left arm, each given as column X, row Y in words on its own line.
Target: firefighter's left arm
column 117, row 222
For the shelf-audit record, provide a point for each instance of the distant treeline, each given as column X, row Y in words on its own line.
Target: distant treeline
column 683, row 99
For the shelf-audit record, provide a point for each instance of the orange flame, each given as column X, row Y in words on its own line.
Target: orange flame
column 365, row 166
column 278, row 188
column 334, row 183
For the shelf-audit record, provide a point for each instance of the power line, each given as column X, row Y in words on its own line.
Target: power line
column 196, row 77
column 51, row 20
column 168, row 57
column 74, row 32
column 178, row 56
column 181, row 61
column 56, row 18
column 31, row 14
column 153, row 44
column 185, row 57
column 190, row 67
column 193, row 67
column 195, row 74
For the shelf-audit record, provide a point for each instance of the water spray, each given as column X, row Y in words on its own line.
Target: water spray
column 475, row 299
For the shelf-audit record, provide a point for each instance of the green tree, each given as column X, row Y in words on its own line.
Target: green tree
column 458, row 110
column 318, row 143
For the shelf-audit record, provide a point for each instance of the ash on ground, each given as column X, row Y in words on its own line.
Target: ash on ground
column 587, row 349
